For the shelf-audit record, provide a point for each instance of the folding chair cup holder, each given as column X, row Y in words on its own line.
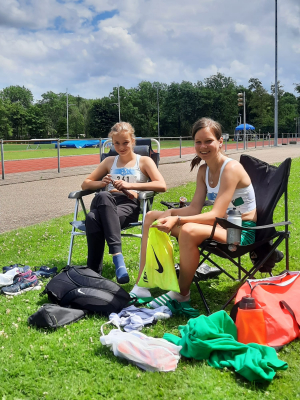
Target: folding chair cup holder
column 143, row 147
column 270, row 183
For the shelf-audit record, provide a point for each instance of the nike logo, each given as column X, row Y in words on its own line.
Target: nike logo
column 160, row 269
column 80, row 291
column 145, row 278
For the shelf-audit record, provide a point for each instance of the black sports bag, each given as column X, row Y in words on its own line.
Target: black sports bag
column 54, row 316
column 84, row 289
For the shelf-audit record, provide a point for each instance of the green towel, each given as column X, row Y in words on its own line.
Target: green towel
column 214, row 338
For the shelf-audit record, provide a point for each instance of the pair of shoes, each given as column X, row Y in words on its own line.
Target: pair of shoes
column 21, row 268
column 45, row 272
column 21, row 285
column 26, row 274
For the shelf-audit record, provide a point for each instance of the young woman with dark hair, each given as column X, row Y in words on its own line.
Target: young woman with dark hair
column 220, row 179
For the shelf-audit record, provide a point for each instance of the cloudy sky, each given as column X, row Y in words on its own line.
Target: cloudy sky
column 89, row 46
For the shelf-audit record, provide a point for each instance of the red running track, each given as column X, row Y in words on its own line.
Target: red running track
column 40, row 164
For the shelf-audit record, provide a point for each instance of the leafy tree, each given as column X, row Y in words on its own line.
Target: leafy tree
column 260, row 105
column 54, row 107
column 5, row 126
column 17, row 117
column 36, row 124
column 17, row 94
column 102, row 116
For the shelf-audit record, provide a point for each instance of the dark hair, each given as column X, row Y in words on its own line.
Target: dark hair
column 215, row 128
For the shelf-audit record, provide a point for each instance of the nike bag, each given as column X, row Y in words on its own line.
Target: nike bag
column 54, row 316
column 277, row 313
column 85, row 289
column 159, row 269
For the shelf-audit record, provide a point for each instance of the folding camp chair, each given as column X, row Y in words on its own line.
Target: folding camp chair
column 143, row 147
column 270, row 183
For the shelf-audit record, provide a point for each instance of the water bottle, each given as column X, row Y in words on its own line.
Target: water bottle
column 182, row 202
column 247, row 303
column 234, row 235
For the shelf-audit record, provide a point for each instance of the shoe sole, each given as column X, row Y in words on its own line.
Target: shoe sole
column 123, row 280
column 38, row 287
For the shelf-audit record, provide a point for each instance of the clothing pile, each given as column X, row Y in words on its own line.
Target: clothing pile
column 214, row 338
column 17, row 279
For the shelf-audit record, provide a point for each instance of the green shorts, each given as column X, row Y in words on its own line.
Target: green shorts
column 248, row 237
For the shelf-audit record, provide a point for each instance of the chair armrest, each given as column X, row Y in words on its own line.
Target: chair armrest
column 78, row 194
column 226, row 224
column 146, row 195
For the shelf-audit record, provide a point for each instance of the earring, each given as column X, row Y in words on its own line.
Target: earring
column 220, row 145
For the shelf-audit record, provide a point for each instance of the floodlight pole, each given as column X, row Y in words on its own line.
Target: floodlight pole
column 276, row 84
column 67, row 115
column 119, row 105
column 158, row 133
column 244, row 120
column 68, row 105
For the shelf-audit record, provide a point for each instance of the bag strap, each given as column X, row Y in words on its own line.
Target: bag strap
column 283, row 304
column 268, row 281
column 234, row 311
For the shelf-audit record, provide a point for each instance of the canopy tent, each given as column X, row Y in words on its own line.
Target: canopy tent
column 241, row 127
column 79, row 144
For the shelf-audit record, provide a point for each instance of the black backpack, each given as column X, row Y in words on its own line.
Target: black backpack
column 84, row 289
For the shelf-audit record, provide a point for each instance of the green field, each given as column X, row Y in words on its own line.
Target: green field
column 70, row 363
column 20, row 151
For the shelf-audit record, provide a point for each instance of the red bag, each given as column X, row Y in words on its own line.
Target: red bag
column 278, row 297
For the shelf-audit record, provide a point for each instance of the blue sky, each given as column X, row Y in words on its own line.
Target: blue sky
column 90, row 46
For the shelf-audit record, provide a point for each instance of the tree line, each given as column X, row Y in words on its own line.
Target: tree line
column 178, row 106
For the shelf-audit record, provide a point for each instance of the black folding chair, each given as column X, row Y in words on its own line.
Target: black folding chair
column 270, row 183
column 143, row 147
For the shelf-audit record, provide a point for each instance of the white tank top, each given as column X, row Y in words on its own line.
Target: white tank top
column 131, row 175
column 243, row 199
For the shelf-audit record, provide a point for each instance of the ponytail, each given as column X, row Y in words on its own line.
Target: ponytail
column 195, row 161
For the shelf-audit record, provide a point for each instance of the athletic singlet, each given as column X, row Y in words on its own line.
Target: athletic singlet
column 243, row 199
column 131, row 175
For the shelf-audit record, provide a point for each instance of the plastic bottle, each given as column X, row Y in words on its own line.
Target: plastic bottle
column 234, row 235
column 247, row 303
column 182, row 202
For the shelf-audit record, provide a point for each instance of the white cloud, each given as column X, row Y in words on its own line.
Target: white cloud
column 51, row 45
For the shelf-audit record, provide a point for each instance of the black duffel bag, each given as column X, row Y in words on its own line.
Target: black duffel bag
column 85, row 289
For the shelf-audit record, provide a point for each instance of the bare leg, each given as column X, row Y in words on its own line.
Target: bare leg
column 190, row 237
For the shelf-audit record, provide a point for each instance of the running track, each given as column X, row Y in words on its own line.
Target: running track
column 40, row 164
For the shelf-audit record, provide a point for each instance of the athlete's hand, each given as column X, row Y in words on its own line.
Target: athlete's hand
column 106, row 179
column 166, row 224
column 121, row 185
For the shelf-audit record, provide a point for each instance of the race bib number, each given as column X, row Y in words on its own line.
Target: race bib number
column 126, row 178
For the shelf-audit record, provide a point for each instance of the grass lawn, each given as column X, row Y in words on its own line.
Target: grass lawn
column 71, row 363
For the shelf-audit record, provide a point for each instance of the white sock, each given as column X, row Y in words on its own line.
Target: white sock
column 161, row 300
column 140, row 291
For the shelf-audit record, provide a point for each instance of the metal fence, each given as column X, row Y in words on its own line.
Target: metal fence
column 183, row 145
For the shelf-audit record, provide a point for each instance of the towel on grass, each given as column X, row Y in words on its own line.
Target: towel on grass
column 214, row 338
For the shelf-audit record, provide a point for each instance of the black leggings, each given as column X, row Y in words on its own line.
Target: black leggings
column 110, row 212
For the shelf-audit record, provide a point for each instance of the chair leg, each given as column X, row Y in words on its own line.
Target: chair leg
column 73, row 231
column 203, row 298
column 71, row 248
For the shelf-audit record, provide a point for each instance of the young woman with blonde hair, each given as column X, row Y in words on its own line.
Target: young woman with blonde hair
column 111, row 209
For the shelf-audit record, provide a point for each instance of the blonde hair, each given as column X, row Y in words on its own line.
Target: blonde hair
column 216, row 130
column 122, row 126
